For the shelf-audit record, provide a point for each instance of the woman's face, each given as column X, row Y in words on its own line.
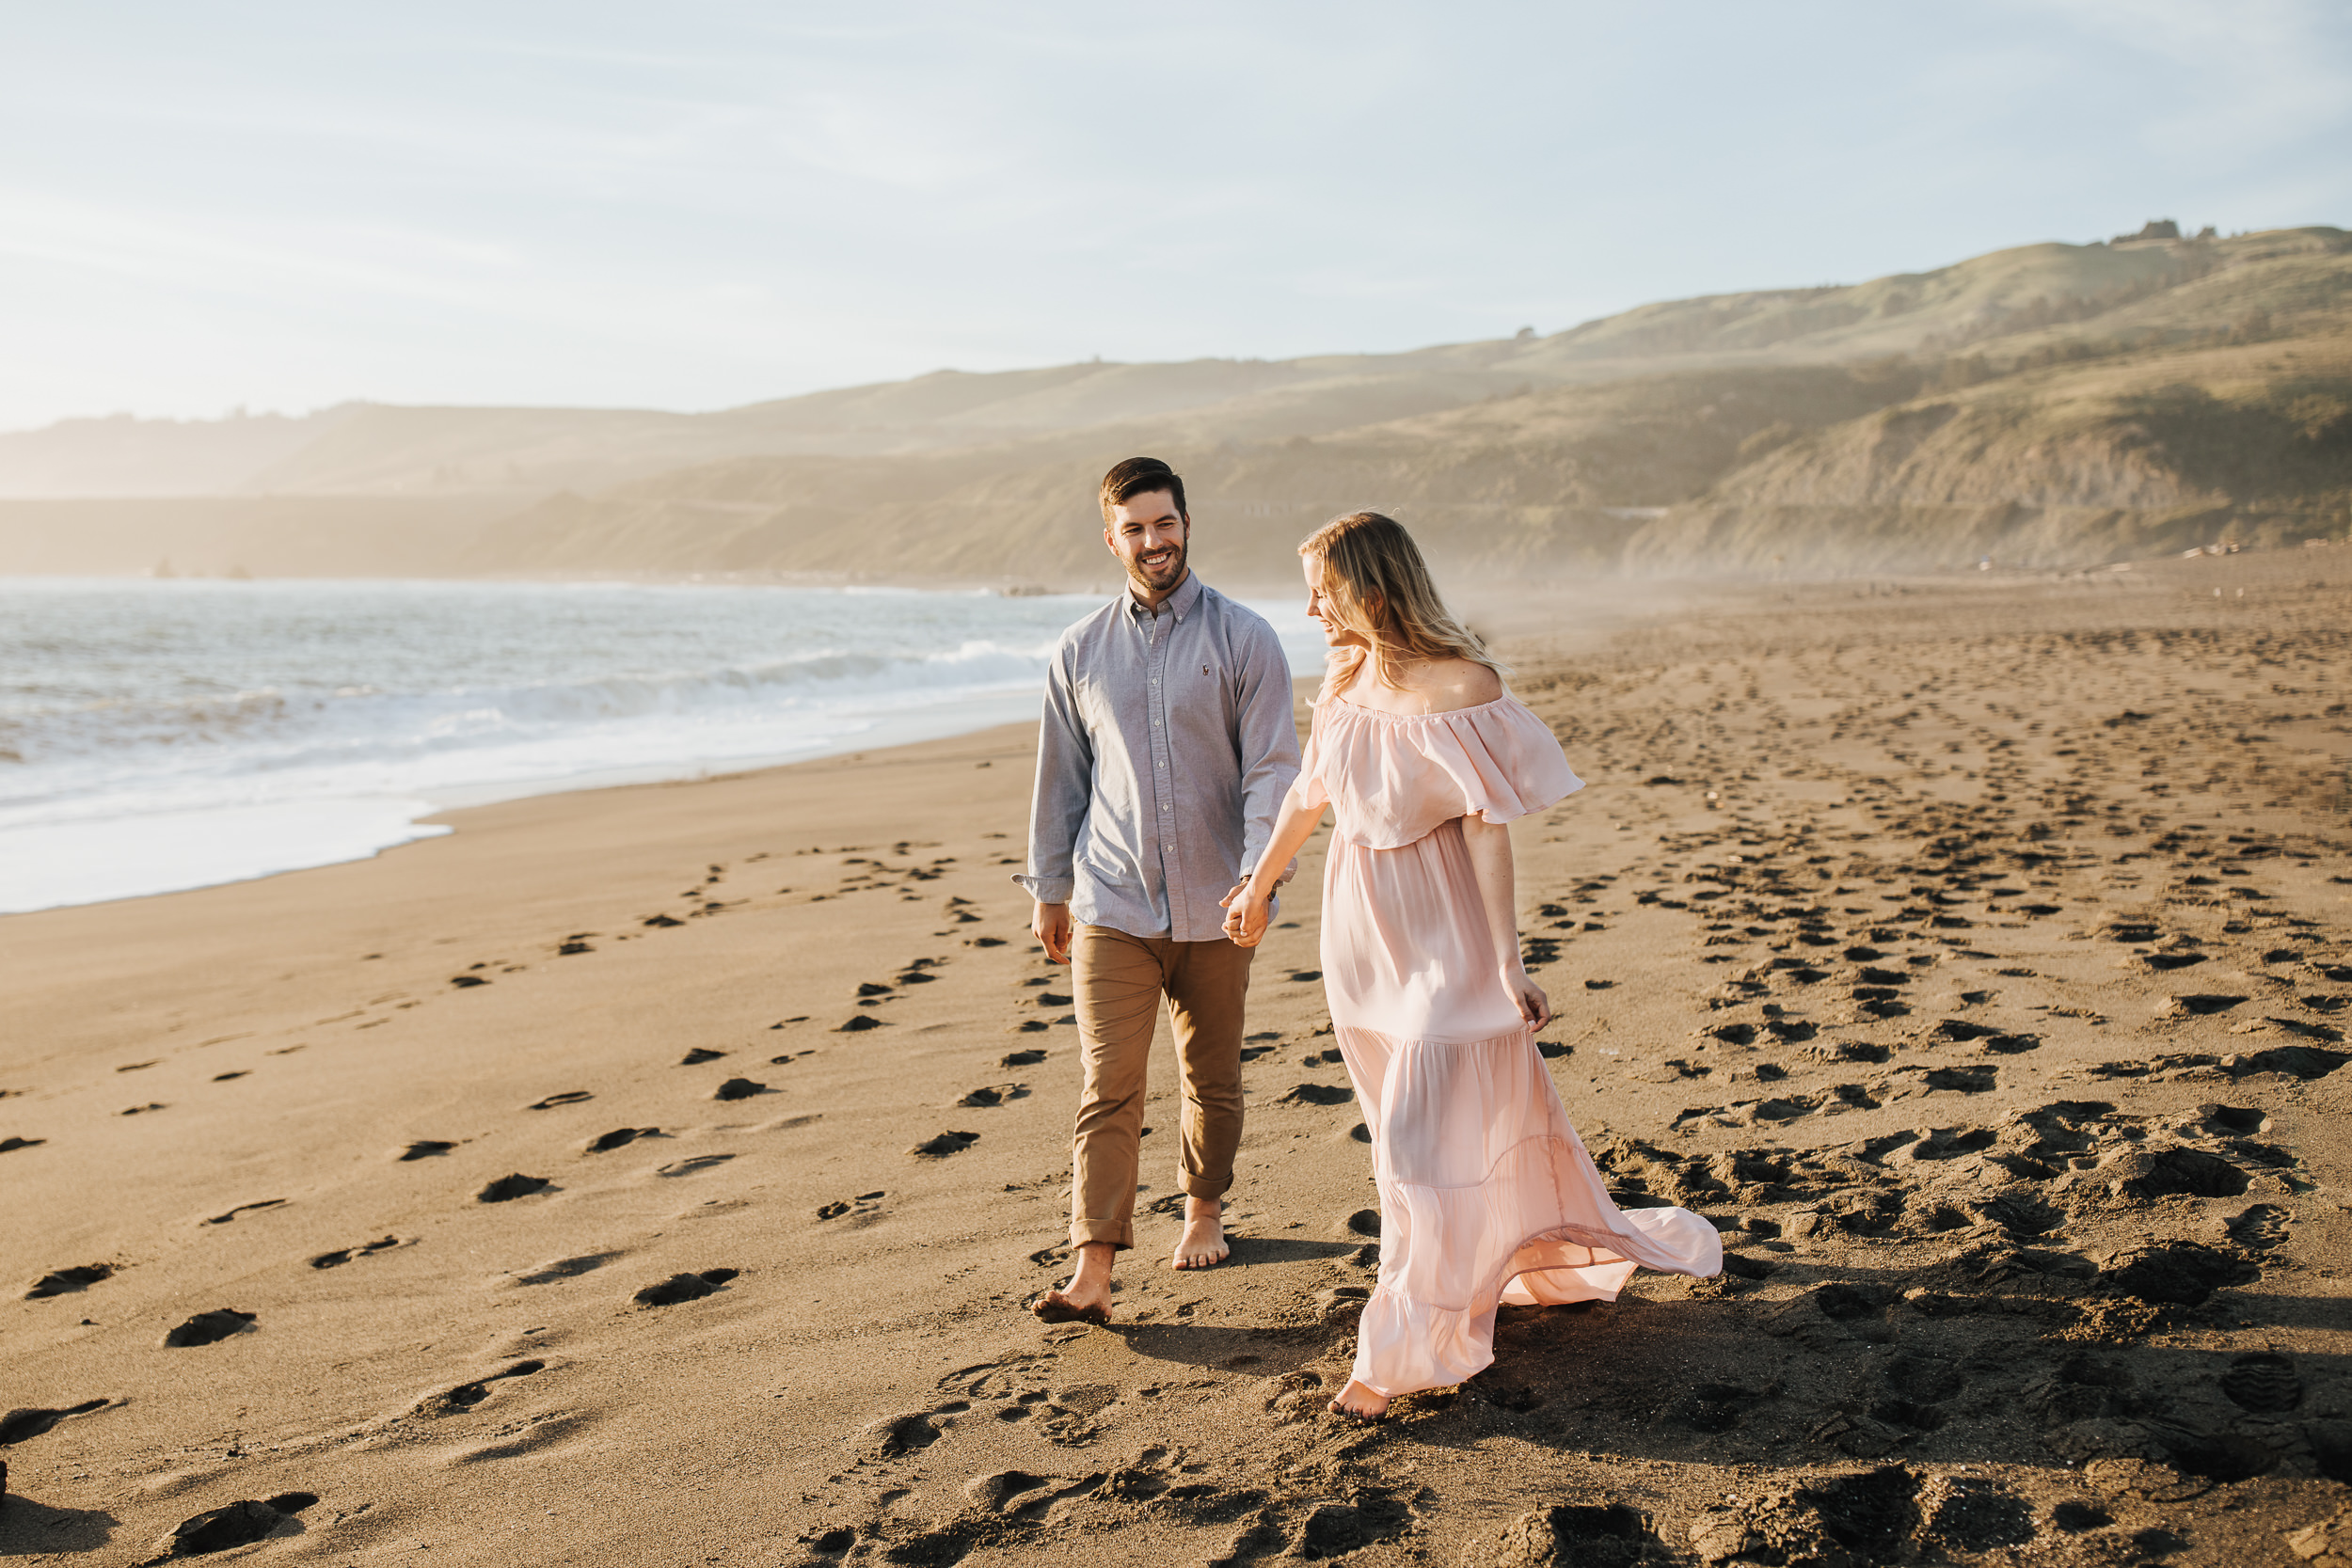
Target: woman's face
column 1334, row 635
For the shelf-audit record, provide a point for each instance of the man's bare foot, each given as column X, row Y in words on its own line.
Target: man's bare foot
column 1359, row 1402
column 1087, row 1296
column 1202, row 1245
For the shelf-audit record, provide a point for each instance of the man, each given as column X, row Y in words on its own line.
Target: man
column 1165, row 749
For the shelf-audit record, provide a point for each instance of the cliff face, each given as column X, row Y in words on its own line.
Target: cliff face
column 1555, row 478
column 2061, row 466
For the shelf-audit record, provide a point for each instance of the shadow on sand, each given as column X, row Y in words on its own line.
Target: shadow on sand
column 28, row 1528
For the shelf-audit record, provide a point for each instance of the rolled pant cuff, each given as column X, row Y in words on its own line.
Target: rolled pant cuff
column 1206, row 1188
column 1120, row 1237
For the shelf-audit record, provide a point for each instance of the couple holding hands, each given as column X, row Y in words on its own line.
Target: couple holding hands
column 1170, row 801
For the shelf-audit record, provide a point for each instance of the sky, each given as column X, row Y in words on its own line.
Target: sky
column 697, row 205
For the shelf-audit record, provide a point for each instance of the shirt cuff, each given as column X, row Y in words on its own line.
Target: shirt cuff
column 1049, row 890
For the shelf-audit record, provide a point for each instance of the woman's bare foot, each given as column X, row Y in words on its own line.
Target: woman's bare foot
column 1359, row 1402
column 1087, row 1296
column 1202, row 1245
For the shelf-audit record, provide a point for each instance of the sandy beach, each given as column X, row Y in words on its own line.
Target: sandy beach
column 1972, row 950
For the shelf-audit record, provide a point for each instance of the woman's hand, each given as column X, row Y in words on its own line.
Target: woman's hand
column 1534, row 1005
column 1246, row 915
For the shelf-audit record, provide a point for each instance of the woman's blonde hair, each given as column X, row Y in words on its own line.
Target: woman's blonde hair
column 1375, row 585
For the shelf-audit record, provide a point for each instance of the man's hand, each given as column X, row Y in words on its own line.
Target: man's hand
column 1246, row 915
column 1050, row 925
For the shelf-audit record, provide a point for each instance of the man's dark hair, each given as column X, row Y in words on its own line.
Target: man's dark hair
column 1140, row 476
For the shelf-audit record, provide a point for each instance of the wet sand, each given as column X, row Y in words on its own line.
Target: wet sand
column 1972, row 951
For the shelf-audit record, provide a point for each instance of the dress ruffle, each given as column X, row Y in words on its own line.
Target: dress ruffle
column 1392, row 778
column 1487, row 1195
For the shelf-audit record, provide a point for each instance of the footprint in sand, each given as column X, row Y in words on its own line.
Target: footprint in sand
column 944, row 1145
column 335, row 1259
column 1022, row 1059
column 619, row 1137
column 684, row 1287
column 691, row 1167
column 210, row 1329
column 18, row 1425
column 508, row 1188
column 740, row 1089
column 247, row 1209
column 2260, row 1228
column 59, row 1282
column 424, row 1149
column 894, row 1437
column 466, row 1394
column 569, row 1097
column 699, row 1055
column 994, row 1094
column 238, row 1524
column 567, row 1268
column 2263, row 1381
column 865, row 1204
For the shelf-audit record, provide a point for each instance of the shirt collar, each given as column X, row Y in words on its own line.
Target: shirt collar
column 1182, row 601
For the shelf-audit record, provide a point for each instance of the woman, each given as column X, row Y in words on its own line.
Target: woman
column 1486, row 1195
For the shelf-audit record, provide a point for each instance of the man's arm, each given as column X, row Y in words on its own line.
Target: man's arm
column 1266, row 738
column 1058, row 809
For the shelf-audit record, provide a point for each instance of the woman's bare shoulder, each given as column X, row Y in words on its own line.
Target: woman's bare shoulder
column 1447, row 684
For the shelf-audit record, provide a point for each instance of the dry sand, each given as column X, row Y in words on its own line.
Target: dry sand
column 1973, row 952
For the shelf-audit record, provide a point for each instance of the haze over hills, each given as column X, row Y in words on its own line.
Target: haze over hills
column 2049, row 404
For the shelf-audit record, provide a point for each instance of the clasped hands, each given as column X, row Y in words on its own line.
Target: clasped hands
column 1246, row 915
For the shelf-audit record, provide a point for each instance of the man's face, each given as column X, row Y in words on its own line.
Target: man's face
column 1149, row 536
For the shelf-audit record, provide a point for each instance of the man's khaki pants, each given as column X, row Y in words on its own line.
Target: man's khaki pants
column 1120, row 981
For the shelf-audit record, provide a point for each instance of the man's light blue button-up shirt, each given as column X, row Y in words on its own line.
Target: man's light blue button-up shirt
column 1165, row 750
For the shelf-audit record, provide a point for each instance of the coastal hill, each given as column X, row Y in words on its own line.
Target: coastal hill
column 2051, row 404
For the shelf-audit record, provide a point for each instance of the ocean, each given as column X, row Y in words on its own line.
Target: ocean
column 156, row 735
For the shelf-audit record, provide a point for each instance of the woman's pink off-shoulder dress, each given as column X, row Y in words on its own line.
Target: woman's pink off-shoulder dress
column 1487, row 1194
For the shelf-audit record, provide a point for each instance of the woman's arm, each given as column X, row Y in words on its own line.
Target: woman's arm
column 1490, row 846
column 1246, row 906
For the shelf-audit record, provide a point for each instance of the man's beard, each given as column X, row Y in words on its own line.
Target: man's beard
column 1173, row 572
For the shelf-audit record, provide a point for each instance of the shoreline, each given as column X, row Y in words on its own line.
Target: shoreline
column 235, row 808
